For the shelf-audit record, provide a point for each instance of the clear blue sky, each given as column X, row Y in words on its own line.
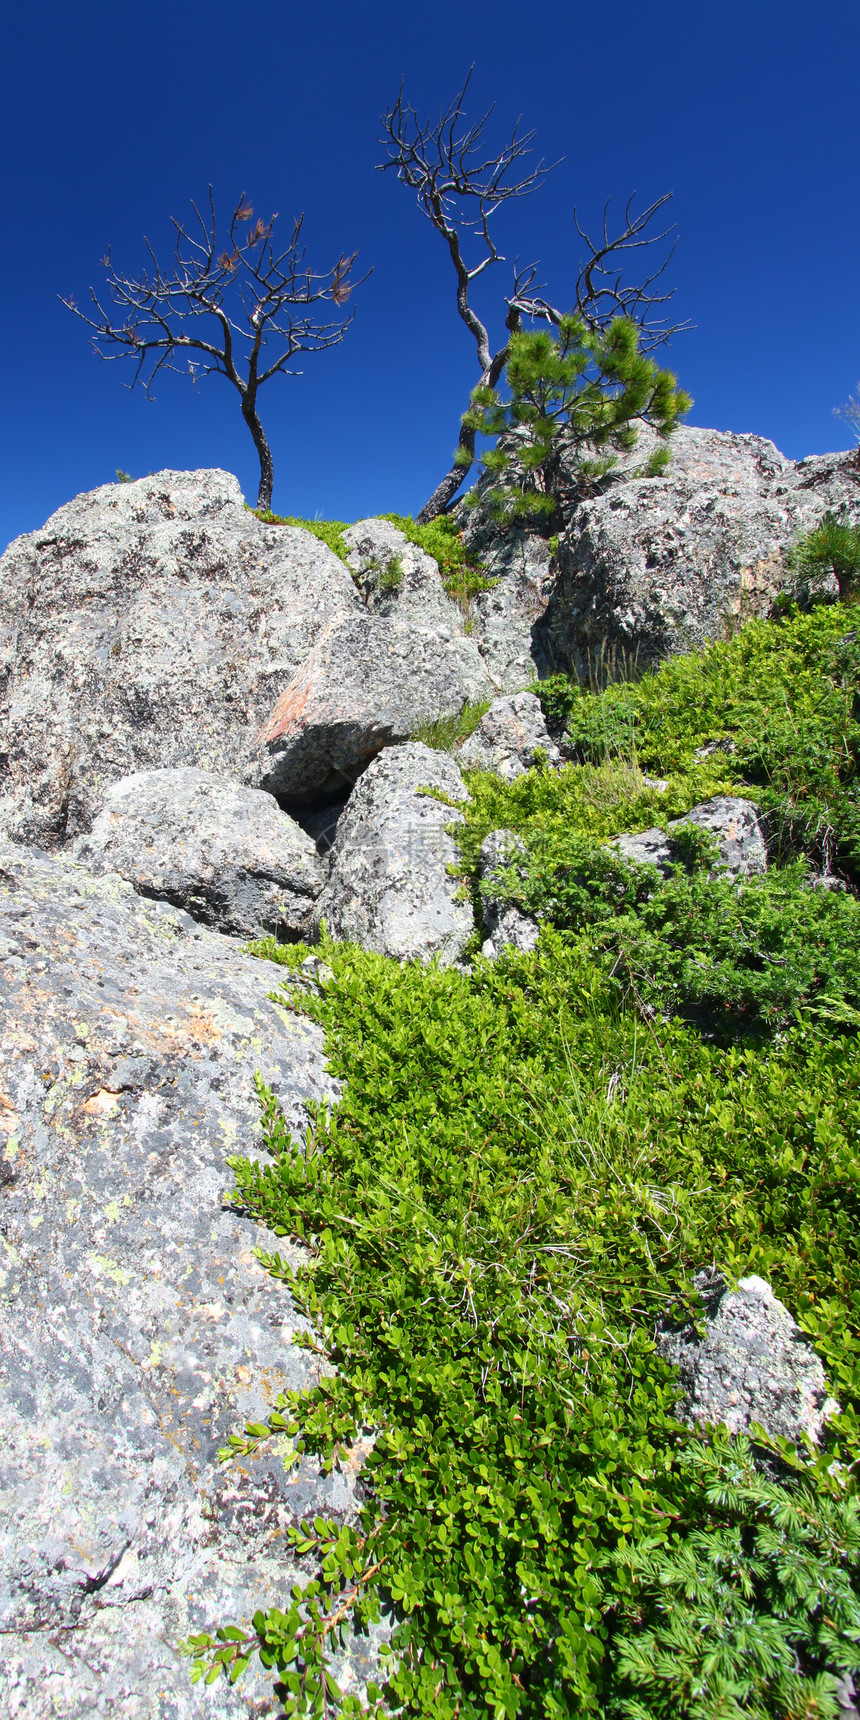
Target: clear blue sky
column 113, row 117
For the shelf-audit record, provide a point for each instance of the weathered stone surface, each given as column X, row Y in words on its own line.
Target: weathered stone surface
column 506, row 926
column 507, row 620
column 147, row 625
column 389, row 888
column 646, row 848
column 225, row 853
column 397, row 578
column 367, row 684
column 137, row 1329
column 510, row 739
column 659, row 565
column 753, row 1363
column 733, row 822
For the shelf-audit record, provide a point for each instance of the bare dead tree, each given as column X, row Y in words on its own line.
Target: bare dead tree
column 260, row 305
column 460, row 185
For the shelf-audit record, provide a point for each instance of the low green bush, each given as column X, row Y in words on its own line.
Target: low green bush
column 462, row 574
column 530, row 1161
column 518, row 1184
column 782, row 697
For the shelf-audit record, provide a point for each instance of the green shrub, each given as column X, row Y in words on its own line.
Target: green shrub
column 784, row 698
column 461, row 572
column 517, row 1185
column 529, row 1162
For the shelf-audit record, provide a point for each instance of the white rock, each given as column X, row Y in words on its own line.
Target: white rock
column 226, row 854
column 148, row 625
column 510, row 739
column 390, row 888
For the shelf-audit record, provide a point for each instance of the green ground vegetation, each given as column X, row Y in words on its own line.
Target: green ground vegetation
column 531, row 1160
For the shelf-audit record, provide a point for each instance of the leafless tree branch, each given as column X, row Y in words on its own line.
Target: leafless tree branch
column 259, row 308
column 459, row 185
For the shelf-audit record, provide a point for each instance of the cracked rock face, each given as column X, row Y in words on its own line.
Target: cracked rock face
column 510, row 739
column 753, row 1364
column 226, row 854
column 389, row 888
column 507, row 620
column 367, row 684
column 656, row 566
column 137, row 1328
column 651, row 566
column 147, row 625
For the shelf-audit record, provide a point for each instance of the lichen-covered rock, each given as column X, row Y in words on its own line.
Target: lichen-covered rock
column 137, row 1328
column 226, row 854
column 510, row 739
column 752, row 1364
column 389, row 888
column 367, row 684
column 507, row 620
column 146, row 625
column 506, row 926
column 654, row 566
column 397, row 578
column 646, row 848
column 734, row 824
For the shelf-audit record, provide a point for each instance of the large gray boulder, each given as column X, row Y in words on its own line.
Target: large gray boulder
column 753, row 1364
column 226, row 854
column 506, row 926
column 649, row 566
column 368, row 683
column 146, row 625
column 137, row 1328
column 655, row 566
column 731, row 821
column 511, row 738
column 390, row 887
column 397, row 578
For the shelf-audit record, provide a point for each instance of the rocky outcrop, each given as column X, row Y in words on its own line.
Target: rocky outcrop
column 148, row 625
column 732, row 822
column 753, row 1364
column 390, row 888
column 506, row 926
column 398, row 579
column 507, row 620
column 226, row 854
column 510, row 739
column 367, row 684
column 138, row 1330
column 654, row 566
column 650, row 566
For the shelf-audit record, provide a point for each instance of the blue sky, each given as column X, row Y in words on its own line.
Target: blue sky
column 113, row 117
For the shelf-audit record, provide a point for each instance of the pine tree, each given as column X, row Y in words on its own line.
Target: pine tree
column 575, row 394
